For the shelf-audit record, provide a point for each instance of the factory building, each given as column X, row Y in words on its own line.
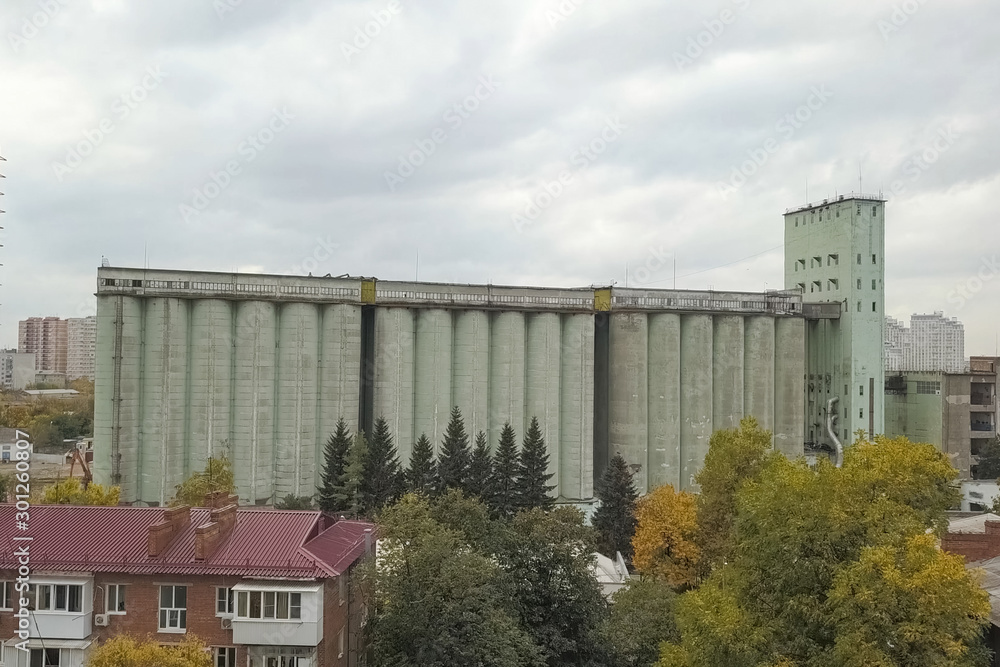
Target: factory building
column 834, row 255
column 260, row 368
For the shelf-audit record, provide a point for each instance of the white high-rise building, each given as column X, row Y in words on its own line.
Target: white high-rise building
column 17, row 369
column 81, row 339
column 932, row 343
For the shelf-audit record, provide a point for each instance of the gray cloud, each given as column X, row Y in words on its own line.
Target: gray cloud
column 656, row 187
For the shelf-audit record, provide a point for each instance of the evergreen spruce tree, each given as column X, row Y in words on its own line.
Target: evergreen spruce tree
column 382, row 479
column 480, row 469
column 453, row 464
column 533, row 474
column 334, row 463
column 348, row 492
column 503, row 502
column 422, row 475
column 615, row 519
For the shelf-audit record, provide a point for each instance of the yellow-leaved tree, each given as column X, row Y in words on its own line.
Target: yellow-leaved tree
column 217, row 476
column 71, row 492
column 664, row 541
column 127, row 651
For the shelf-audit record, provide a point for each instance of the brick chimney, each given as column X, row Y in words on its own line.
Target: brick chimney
column 218, row 499
column 208, row 537
column 161, row 533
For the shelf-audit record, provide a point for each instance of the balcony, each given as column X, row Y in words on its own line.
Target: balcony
column 278, row 614
column 982, row 422
column 62, row 608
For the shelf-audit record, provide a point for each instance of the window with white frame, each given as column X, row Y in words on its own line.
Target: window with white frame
column 7, row 594
column 173, row 608
column 224, row 602
column 223, row 656
column 116, row 599
column 270, row 605
column 55, row 597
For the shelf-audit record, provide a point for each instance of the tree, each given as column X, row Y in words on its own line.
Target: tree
column 349, row 492
column 503, row 500
column 642, row 617
column 6, row 486
column 664, row 541
column 435, row 602
column 294, row 502
column 453, row 463
column 334, row 463
column 735, row 457
column 71, row 492
column 838, row 567
column 533, row 474
column 422, row 475
column 480, row 469
column 127, row 651
column 547, row 559
column 381, row 479
column 615, row 518
column 989, row 460
column 216, row 477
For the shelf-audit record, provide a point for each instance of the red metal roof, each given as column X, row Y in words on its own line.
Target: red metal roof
column 263, row 543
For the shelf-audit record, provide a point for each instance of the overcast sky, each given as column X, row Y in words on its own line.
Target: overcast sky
column 358, row 135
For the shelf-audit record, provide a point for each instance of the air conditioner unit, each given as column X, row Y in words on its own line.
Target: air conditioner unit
column 101, row 620
column 227, row 624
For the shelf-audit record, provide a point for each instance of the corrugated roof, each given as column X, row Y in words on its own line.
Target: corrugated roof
column 263, row 543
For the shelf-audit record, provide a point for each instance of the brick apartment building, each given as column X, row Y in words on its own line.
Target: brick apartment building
column 46, row 338
column 262, row 588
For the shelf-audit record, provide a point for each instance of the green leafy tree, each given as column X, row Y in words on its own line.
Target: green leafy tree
column 453, row 462
column 422, row 475
column 642, row 617
column 480, row 469
column 334, row 464
column 989, row 460
column 382, row 480
column 838, row 567
column 533, row 474
column 294, row 502
column 735, row 457
column 615, row 519
column 547, row 558
column 436, row 602
column 216, row 477
column 503, row 500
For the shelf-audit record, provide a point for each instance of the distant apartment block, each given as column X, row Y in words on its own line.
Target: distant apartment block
column 81, row 343
column 45, row 337
column 17, row 370
column 956, row 412
column 932, row 343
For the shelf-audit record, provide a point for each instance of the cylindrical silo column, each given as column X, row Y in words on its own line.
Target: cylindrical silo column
column 164, row 392
column 340, row 373
column 727, row 372
column 789, row 386
column 432, row 380
column 543, row 367
column 394, row 351
column 696, row 394
column 576, row 408
column 758, row 370
column 664, row 460
column 211, row 379
column 471, row 369
column 629, row 387
column 253, row 417
column 506, row 402
column 295, row 437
